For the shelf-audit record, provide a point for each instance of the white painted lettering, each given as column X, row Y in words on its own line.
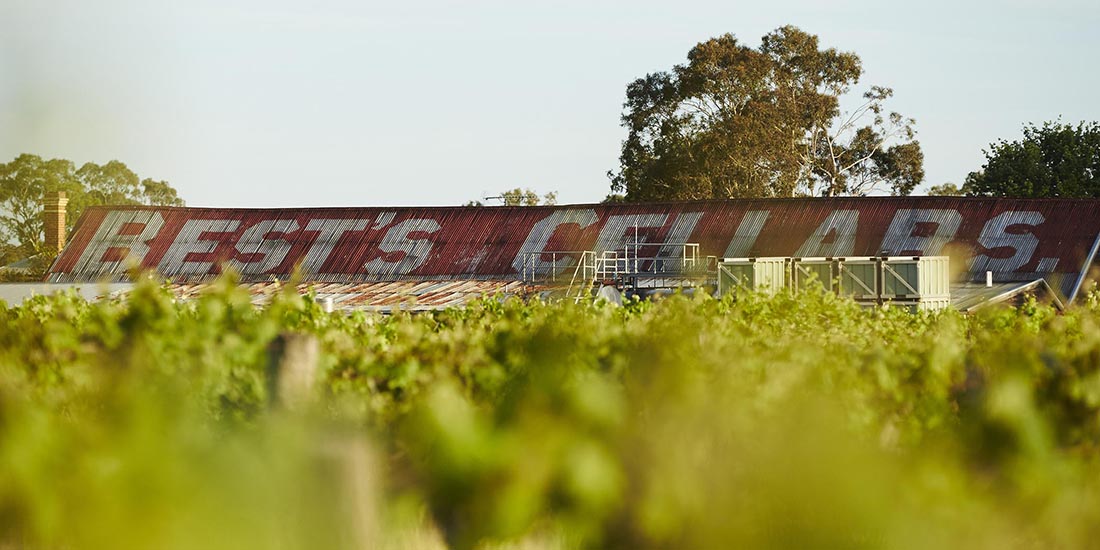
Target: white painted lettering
column 382, row 220
column 747, row 232
column 329, row 232
column 618, row 230
column 539, row 236
column 266, row 239
column 190, row 241
column 995, row 235
column 901, row 240
column 129, row 247
column 835, row 237
column 397, row 240
column 678, row 235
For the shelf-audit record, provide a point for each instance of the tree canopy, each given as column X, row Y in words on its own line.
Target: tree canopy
column 1052, row 160
column 521, row 197
column 25, row 181
column 947, row 189
column 527, row 197
column 737, row 121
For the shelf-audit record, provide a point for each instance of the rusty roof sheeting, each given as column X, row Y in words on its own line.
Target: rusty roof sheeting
column 1017, row 239
column 377, row 296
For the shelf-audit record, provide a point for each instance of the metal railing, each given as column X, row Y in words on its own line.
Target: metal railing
column 531, row 273
column 635, row 265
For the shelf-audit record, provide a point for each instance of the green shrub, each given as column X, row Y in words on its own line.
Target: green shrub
column 785, row 421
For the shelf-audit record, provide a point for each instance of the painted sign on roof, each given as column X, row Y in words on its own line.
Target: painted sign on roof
column 1016, row 239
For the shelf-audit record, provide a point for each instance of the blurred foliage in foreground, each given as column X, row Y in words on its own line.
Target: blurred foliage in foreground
column 764, row 423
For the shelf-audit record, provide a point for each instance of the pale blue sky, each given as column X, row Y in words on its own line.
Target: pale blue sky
column 340, row 103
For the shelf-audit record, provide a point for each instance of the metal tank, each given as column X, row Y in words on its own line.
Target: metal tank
column 767, row 275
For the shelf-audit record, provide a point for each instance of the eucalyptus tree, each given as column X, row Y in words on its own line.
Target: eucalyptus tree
column 737, row 121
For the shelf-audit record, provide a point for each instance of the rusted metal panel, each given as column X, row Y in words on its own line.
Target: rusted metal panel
column 969, row 297
column 1017, row 239
column 377, row 296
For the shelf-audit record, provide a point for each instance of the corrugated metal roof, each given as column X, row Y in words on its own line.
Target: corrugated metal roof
column 967, row 297
column 431, row 295
column 14, row 294
column 1017, row 239
column 26, row 264
column 378, row 296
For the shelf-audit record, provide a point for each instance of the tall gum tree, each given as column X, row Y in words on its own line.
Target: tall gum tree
column 739, row 122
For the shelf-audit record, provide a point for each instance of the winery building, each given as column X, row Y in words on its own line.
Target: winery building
column 429, row 257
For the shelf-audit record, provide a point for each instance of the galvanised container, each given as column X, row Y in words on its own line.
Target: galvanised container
column 809, row 273
column 858, row 278
column 916, row 278
column 768, row 275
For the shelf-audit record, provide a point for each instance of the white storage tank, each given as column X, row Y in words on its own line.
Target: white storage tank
column 925, row 304
column 858, row 278
column 916, row 278
column 807, row 272
column 767, row 275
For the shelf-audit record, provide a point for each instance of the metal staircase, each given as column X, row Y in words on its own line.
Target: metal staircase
column 638, row 266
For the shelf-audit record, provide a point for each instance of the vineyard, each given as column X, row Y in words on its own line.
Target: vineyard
column 762, row 422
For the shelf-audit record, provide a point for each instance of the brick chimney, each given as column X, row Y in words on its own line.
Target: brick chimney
column 53, row 212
